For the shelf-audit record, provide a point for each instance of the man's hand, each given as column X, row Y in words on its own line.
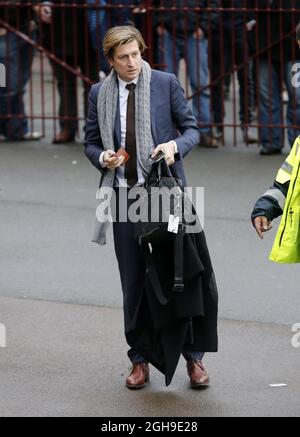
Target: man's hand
column 44, row 12
column 112, row 161
column 262, row 224
column 168, row 149
column 198, row 34
column 160, row 30
column 250, row 25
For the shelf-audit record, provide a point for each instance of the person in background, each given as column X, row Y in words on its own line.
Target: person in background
column 229, row 48
column 110, row 13
column 65, row 33
column 282, row 198
column 16, row 55
column 277, row 52
column 184, row 35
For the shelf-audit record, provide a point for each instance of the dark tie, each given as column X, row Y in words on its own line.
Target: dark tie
column 130, row 141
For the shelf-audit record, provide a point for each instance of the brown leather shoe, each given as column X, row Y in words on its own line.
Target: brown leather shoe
column 209, row 141
column 64, row 136
column 197, row 373
column 139, row 376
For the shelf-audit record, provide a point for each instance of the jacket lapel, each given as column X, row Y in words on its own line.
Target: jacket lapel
column 152, row 109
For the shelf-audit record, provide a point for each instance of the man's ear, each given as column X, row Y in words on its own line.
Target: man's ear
column 110, row 61
column 298, row 42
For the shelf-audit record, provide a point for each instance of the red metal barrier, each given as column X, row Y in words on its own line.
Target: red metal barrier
column 234, row 58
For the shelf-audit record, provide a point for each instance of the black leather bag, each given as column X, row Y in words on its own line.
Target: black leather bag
column 164, row 197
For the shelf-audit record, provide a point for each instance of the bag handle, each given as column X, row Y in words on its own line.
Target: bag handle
column 158, row 168
column 162, row 165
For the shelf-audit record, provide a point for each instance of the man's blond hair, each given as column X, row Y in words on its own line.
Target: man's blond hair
column 120, row 35
column 298, row 32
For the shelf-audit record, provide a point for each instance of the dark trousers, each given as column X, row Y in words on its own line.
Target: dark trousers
column 17, row 56
column 132, row 270
column 67, row 90
column 223, row 58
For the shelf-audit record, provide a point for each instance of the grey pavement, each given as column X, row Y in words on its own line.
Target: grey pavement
column 47, row 196
column 70, row 360
column 60, row 301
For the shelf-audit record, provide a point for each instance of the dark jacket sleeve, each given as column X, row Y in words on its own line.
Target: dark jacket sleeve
column 93, row 146
column 267, row 205
column 183, row 119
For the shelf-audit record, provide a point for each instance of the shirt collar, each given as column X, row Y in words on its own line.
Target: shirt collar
column 122, row 83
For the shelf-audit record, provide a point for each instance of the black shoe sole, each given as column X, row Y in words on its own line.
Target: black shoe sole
column 199, row 386
column 270, row 153
column 137, row 387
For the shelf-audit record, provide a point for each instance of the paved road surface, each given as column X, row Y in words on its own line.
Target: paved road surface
column 60, row 294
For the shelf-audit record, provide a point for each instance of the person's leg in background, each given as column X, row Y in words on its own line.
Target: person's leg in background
column 270, row 108
column 66, row 87
column 27, row 56
column 169, row 54
column 99, row 21
column 217, row 89
column 17, row 56
column 197, row 69
column 246, row 89
column 89, row 67
column 227, row 67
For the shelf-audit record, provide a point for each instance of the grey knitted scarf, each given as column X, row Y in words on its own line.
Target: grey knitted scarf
column 107, row 109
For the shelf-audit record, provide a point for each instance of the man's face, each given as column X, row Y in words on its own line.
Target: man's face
column 298, row 42
column 127, row 61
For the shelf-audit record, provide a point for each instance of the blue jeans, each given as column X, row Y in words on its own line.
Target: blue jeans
column 17, row 56
column 270, row 104
column 195, row 52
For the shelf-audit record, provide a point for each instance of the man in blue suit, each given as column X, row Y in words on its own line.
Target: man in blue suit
column 139, row 112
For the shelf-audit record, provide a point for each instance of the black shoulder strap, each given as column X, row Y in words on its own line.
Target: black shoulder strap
column 178, row 260
column 153, row 276
column 178, row 268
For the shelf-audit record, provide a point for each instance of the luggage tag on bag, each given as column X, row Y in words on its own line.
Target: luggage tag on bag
column 173, row 218
column 173, row 224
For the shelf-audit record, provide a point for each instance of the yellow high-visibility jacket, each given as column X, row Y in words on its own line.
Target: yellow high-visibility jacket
column 286, row 247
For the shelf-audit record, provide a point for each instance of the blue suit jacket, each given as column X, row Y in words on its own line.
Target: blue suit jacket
column 171, row 119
